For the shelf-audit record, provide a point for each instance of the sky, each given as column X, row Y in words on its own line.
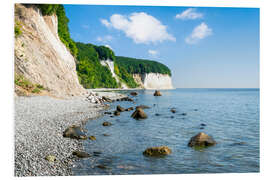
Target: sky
column 204, row 47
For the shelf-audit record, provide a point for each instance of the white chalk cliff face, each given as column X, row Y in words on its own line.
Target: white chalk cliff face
column 110, row 64
column 41, row 57
column 153, row 81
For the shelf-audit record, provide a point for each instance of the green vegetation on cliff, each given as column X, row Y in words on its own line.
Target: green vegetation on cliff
column 141, row 66
column 63, row 31
column 91, row 73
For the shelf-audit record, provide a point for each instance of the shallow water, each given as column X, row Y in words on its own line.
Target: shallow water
column 231, row 117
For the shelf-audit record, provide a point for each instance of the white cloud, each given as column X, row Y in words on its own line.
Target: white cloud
column 104, row 39
column 189, row 14
column 199, row 32
column 140, row 27
column 153, row 53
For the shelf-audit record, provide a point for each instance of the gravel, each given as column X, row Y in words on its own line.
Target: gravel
column 39, row 125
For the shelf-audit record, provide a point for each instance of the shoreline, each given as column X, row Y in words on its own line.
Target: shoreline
column 39, row 125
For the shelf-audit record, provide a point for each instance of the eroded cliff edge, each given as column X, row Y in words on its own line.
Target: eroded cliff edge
column 40, row 56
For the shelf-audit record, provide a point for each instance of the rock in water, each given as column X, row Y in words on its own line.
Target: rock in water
column 50, row 158
column 74, row 132
column 133, row 93
column 201, row 140
column 173, row 110
column 143, row 107
column 157, row 93
column 129, row 109
column 120, row 109
column 157, row 151
column 81, row 154
column 93, row 138
column 139, row 114
column 107, row 124
column 116, row 113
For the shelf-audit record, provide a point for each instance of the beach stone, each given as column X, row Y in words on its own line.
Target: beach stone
column 139, row 114
column 201, row 140
column 129, row 109
column 107, row 124
column 143, row 107
column 74, row 132
column 50, row 158
column 116, row 113
column 157, row 93
column 133, row 93
column 93, row 138
column 80, row 154
column 157, row 151
column 120, row 109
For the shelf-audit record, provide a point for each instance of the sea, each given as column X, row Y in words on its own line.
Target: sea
column 230, row 116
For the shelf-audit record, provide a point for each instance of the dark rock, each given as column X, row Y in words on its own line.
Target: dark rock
column 101, row 166
column 106, row 99
column 195, row 109
column 107, row 124
column 133, row 93
column 183, row 114
column 81, row 154
column 157, row 114
column 120, row 109
column 143, row 107
column 74, row 132
column 111, row 116
column 157, row 93
column 173, row 110
column 116, row 113
column 202, row 124
column 107, row 112
column 106, row 135
column 129, row 109
column 201, row 140
column 172, row 117
column 201, row 127
column 93, row 138
column 126, row 99
column 139, row 114
column 157, row 151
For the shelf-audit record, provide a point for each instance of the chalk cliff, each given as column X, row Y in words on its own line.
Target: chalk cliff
column 40, row 56
column 153, row 81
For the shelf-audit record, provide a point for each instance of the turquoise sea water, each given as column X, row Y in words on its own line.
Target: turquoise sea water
column 231, row 117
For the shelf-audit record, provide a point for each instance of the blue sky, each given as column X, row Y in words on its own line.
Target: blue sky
column 204, row 47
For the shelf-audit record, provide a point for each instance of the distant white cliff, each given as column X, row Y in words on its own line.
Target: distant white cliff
column 153, row 81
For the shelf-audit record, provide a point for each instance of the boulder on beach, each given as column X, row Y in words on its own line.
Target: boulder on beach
column 129, row 109
column 201, row 140
column 74, row 132
column 107, row 124
column 139, row 114
column 120, row 109
column 157, row 151
column 80, row 154
column 116, row 113
column 157, row 93
column 143, row 107
column 133, row 93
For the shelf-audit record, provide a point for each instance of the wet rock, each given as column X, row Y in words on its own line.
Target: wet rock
column 116, row 113
column 129, row 109
column 106, row 135
column 93, row 138
column 201, row 140
column 101, row 166
column 111, row 116
column 50, row 158
column 202, row 124
column 172, row 117
column 173, row 110
column 125, row 99
column 157, row 93
column 157, row 151
column 80, row 154
column 74, row 132
column 183, row 114
column 133, row 93
column 157, row 114
column 139, row 114
column 143, row 107
column 107, row 112
column 107, row 124
column 106, row 99
column 120, row 109
column 201, row 127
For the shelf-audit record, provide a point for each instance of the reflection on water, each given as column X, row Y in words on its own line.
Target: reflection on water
column 231, row 116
